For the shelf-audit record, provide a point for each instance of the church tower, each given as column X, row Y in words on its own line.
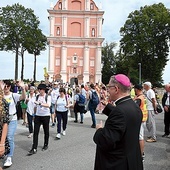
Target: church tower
column 75, row 41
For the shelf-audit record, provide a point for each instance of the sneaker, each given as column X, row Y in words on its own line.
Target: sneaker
column 32, row 151
column 81, row 122
column 8, row 162
column 165, row 136
column 149, row 137
column 151, row 140
column 64, row 133
column 53, row 125
column 143, row 156
column 58, row 136
column 93, row 126
column 45, row 147
column 30, row 135
column 75, row 121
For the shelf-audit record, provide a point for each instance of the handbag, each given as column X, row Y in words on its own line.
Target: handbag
column 158, row 106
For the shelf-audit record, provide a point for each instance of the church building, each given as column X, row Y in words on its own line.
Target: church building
column 75, row 41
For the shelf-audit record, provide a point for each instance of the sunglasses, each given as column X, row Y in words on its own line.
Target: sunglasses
column 6, row 86
column 41, row 89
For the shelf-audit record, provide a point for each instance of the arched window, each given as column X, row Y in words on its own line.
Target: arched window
column 93, row 32
column 58, row 30
column 91, row 6
column 60, row 5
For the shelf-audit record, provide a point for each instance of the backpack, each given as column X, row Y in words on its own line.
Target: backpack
column 95, row 98
column 46, row 96
column 70, row 91
column 82, row 100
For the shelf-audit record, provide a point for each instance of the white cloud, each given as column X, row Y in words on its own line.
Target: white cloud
column 116, row 13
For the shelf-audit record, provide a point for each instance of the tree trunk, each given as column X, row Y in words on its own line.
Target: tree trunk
column 22, row 64
column 16, row 64
column 35, row 62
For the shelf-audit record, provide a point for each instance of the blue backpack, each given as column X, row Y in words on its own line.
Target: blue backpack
column 95, row 99
column 82, row 100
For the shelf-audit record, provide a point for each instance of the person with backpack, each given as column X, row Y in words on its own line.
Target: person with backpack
column 93, row 102
column 42, row 116
column 79, row 105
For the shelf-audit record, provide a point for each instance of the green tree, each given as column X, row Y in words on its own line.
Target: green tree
column 37, row 43
column 145, row 37
column 15, row 21
column 108, row 62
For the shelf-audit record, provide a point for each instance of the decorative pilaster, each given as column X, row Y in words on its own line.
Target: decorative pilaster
column 64, row 26
column 51, row 18
column 64, row 63
column 87, row 5
column 65, row 5
column 100, row 27
column 86, row 64
column 87, row 26
column 98, row 65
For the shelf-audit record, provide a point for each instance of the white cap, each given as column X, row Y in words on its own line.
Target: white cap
column 148, row 83
column 55, row 82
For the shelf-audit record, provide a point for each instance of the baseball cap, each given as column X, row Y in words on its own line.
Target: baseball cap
column 138, row 86
column 148, row 83
column 122, row 79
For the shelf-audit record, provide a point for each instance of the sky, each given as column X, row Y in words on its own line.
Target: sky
column 116, row 13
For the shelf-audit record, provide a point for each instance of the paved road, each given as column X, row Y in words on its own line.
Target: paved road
column 76, row 150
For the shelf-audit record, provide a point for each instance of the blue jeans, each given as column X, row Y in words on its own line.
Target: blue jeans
column 10, row 135
column 92, row 112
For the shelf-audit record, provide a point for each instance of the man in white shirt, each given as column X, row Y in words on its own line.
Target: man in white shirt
column 151, row 107
column 54, row 92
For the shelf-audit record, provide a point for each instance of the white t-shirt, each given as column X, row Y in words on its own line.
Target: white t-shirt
column 54, row 95
column 150, row 94
column 31, row 104
column 83, row 92
column 43, row 111
column 61, row 104
column 12, row 103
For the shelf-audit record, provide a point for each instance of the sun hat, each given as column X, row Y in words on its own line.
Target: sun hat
column 148, row 83
column 122, row 79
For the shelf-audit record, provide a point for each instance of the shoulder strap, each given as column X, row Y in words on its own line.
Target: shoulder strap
column 13, row 98
column 46, row 97
column 37, row 97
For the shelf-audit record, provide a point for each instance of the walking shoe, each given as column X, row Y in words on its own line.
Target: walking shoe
column 8, row 162
column 93, row 126
column 53, row 125
column 165, row 136
column 75, row 121
column 30, row 135
column 149, row 137
column 64, row 133
column 58, row 136
column 32, row 151
column 81, row 122
column 151, row 140
column 45, row 147
column 143, row 156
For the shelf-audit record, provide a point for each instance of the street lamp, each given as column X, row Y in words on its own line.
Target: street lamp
column 139, row 73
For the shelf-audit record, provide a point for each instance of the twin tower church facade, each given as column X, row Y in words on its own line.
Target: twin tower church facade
column 75, row 41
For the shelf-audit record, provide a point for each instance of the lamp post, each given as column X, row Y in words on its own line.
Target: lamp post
column 139, row 73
